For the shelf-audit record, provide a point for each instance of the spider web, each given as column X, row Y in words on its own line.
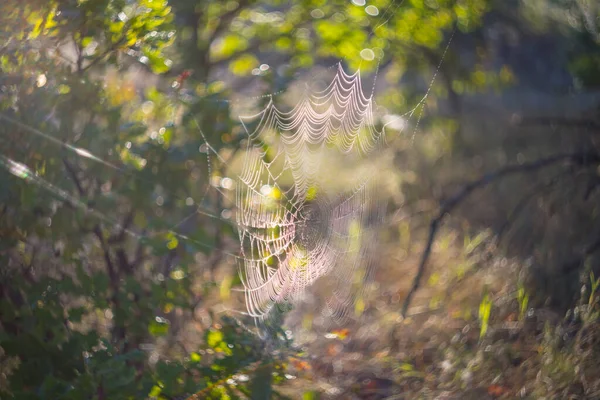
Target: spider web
column 293, row 235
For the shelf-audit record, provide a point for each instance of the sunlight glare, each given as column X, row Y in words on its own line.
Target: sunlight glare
column 19, row 170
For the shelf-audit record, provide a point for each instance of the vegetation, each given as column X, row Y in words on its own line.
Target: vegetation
column 112, row 283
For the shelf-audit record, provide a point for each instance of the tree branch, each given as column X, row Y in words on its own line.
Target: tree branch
column 73, row 174
column 580, row 159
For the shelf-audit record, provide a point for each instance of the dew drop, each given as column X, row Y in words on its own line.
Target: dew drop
column 372, row 10
column 367, row 54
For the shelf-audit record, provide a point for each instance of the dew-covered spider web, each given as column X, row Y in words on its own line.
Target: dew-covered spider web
column 295, row 226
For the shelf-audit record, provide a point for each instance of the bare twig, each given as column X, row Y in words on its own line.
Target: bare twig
column 579, row 158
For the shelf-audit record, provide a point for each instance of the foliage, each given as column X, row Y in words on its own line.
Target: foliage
column 579, row 20
column 86, row 307
column 523, row 300
column 485, row 308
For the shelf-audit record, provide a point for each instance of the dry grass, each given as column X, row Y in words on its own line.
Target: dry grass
column 439, row 353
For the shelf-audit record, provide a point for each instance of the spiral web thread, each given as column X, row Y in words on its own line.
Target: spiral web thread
column 293, row 235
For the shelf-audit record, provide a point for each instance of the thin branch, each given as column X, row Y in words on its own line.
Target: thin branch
column 112, row 48
column 581, row 159
column 73, row 174
column 112, row 271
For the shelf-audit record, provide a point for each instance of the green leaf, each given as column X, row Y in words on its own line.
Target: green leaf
column 214, row 338
column 158, row 328
column 243, row 65
column 156, row 60
column 311, row 395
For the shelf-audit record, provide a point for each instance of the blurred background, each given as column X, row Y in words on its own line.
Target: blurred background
column 120, row 135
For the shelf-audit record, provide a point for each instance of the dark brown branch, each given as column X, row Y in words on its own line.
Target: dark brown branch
column 580, row 159
column 112, row 271
column 73, row 174
column 139, row 256
column 79, row 53
column 118, row 331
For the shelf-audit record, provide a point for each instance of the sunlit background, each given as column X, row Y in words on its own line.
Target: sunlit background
column 470, row 269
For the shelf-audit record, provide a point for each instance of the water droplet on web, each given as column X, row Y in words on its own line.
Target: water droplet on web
column 359, row 2
column 372, row 11
column 227, row 183
column 147, row 107
column 265, row 190
column 367, row 54
column 226, row 214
